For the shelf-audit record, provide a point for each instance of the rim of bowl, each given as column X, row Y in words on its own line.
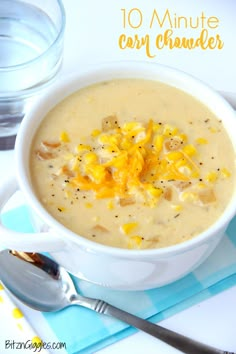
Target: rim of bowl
column 29, row 91
column 23, row 152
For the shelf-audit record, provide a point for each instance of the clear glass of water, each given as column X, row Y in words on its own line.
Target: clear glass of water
column 31, row 51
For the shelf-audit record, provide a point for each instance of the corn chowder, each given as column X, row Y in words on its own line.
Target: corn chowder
column 132, row 163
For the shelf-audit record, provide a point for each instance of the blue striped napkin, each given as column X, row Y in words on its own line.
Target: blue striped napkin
column 85, row 331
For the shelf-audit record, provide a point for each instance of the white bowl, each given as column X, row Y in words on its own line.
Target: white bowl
column 113, row 267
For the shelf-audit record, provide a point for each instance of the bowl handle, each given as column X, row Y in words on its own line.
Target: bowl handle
column 27, row 242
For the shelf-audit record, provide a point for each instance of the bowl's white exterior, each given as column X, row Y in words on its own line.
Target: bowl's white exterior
column 136, row 273
column 111, row 267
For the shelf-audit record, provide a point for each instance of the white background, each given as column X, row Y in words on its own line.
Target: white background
column 94, row 27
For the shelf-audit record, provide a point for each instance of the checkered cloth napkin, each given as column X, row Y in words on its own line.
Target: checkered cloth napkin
column 85, row 331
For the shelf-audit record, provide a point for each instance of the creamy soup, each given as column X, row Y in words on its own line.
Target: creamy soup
column 133, row 164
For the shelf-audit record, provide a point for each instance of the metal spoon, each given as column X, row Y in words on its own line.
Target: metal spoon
column 42, row 284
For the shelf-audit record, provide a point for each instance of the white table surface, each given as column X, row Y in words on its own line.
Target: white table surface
column 92, row 31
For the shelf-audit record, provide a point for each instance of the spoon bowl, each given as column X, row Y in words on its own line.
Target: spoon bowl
column 43, row 285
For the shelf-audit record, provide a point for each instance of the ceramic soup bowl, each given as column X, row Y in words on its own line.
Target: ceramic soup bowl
column 112, row 267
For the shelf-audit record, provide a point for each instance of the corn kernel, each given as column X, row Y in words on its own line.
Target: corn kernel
column 114, row 140
column 156, row 127
column 83, row 147
column 155, row 192
column 98, row 172
column 189, row 150
column 201, row 141
column 88, row 205
column 169, row 130
column 108, row 139
column 95, row 132
column 201, row 185
column 177, row 207
column 125, row 144
column 119, row 161
column 213, row 130
column 195, row 174
column 158, row 142
column 189, row 196
column 211, row 177
column 131, row 126
column 137, row 239
column 64, row 137
column 110, row 205
column 174, row 156
column 183, row 137
column 180, row 163
column 90, row 157
column 111, row 149
column 129, row 227
column 75, row 165
column 225, row 173
column 134, row 241
column 37, row 342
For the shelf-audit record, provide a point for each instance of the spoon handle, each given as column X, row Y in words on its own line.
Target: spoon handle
column 178, row 341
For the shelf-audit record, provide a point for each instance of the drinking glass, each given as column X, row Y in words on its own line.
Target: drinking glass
column 31, row 51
